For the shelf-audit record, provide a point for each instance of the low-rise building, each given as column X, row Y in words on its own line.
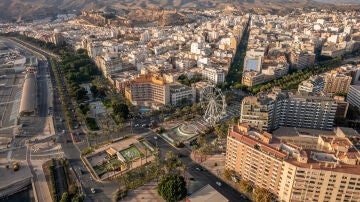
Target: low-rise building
column 315, row 84
column 252, row 78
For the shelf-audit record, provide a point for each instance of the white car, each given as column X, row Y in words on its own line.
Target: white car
column 92, row 190
column 218, row 183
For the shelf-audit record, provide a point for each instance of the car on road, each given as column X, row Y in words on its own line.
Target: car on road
column 218, row 184
column 93, row 190
column 199, row 169
column 143, row 125
column 137, row 125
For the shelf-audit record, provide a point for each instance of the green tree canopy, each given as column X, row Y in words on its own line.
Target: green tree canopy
column 122, row 110
column 64, row 197
column 172, row 188
column 262, row 195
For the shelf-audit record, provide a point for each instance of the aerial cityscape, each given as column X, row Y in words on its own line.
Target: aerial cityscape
column 183, row 100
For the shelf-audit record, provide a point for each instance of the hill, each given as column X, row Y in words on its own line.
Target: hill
column 27, row 9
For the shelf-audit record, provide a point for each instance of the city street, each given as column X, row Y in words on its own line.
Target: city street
column 200, row 174
column 104, row 191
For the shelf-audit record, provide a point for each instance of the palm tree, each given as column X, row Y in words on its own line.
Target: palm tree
column 169, row 155
column 184, row 169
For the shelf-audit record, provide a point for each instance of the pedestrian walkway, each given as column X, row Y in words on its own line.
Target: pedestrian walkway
column 213, row 163
column 41, row 187
column 145, row 193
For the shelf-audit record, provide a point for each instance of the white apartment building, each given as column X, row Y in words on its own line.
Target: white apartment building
column 214, row 75
column 180, row 93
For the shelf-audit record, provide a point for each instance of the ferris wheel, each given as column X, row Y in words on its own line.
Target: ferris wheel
column 213, row 101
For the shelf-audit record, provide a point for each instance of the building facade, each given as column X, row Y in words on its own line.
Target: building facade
column 214, row 75
column 257, row 112
column 181, row 94
column 282, row 108
column 252, row 78
column 148, row 88
column 301, row 59
column 335, row 82
column 244, row 157
column 353, row 96
column 329, row 173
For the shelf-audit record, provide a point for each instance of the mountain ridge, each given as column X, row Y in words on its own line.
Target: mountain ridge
column 25, row 9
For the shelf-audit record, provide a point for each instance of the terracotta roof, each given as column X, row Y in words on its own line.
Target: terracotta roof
column 252, row 142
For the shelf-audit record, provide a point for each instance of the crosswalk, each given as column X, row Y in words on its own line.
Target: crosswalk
column 38, row 153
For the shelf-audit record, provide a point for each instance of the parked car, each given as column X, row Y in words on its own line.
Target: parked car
column 199, row 169
column 93, row 190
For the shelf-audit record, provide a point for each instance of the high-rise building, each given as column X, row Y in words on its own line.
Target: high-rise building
column 270, row 110
column 257, row 112
column 57, row 38
column 301, row 59
column 110, row 63
column 336, row 82
column 151, row 89
column 342, row 108
column 243, row 155
column 353, row 97
column 329, row 173
column 148, row 88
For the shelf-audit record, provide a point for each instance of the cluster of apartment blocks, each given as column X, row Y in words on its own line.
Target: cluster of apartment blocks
column 331, row 172
column 279, row 43
column 204, row 47
column 181, row 51
column 336, row 81
column 269, row 110
column 343, row 80
column 312, row 106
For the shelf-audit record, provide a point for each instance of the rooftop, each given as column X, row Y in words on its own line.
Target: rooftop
column 335, row 167
column 208, row 194
column 288, row 152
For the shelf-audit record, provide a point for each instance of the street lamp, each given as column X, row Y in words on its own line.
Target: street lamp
column 156, row 141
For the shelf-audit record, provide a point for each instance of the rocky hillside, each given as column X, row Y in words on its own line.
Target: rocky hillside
column 25, row 9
